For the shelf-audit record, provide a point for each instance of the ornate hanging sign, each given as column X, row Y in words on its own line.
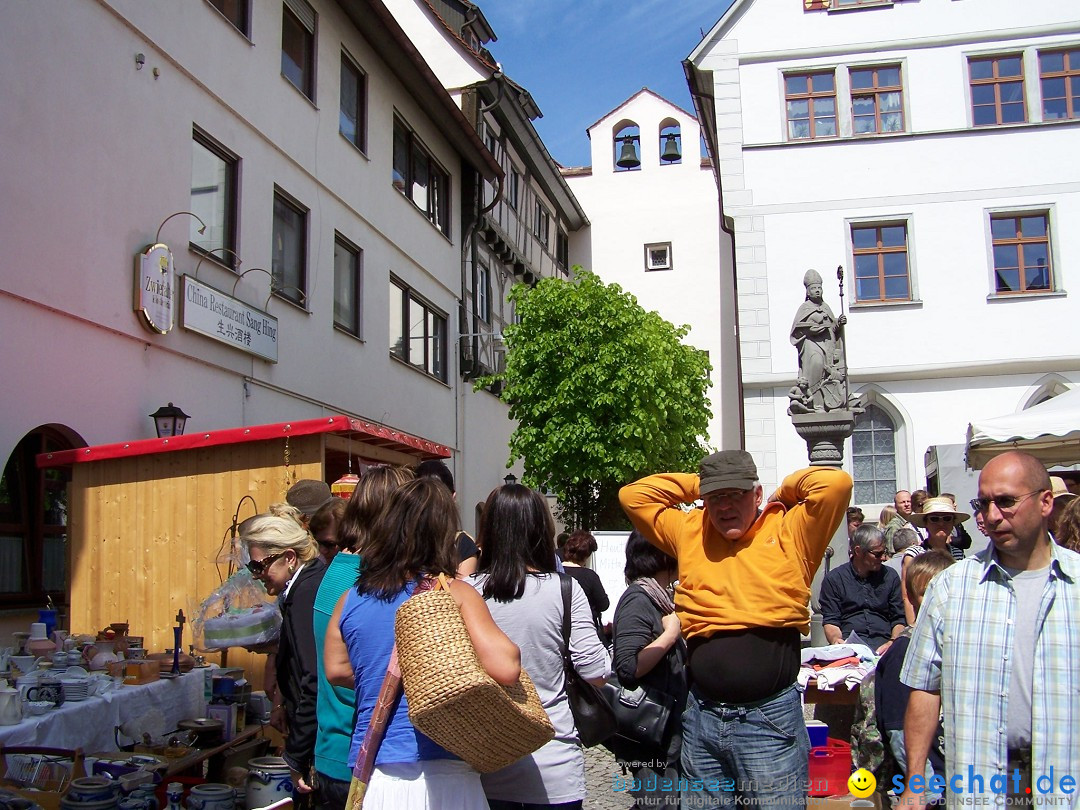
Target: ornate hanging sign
column 154, row 276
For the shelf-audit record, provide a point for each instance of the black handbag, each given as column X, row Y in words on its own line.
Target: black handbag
column 593, row 715
column 641, row 715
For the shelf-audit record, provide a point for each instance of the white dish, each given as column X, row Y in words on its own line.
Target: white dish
column 76, row 672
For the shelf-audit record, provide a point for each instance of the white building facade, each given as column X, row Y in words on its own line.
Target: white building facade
column 328, row 165
column 928, row 148
column 656, row 232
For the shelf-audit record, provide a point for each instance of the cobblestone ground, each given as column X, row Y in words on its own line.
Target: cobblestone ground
column 600, row 767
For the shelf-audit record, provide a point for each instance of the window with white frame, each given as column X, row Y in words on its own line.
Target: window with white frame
column 810, row 101
column 213, row 199
column 298, row 45
column 658, row 256
column 873, row 456
column 1059, row 82
column 417, row 331
column 877, row 100
column 997, row 90
column 880, row 254
column 347, row 285
column 1021, row 252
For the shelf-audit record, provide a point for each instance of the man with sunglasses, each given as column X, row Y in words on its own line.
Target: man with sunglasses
column 745, row 569
column 863, row 596
column 994, row 650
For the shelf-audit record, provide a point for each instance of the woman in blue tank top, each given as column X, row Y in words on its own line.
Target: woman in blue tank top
column 412, row 539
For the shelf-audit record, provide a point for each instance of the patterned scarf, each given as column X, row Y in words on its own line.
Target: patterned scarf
column 657, row 593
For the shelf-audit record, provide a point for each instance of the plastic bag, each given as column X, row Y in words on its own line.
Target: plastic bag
column 238, row 614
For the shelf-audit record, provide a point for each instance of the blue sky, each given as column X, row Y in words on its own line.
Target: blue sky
column 582, row 58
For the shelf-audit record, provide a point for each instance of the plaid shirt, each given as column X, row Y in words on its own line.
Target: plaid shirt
column 962, row 645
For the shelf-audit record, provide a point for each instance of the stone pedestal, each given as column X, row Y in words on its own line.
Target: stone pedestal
column 824, row 434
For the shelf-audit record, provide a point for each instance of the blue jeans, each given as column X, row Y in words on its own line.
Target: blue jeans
column 755, row 753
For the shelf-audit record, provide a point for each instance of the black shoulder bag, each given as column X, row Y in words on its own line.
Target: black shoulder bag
column 593, row 715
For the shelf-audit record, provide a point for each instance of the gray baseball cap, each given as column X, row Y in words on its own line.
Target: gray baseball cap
column 309, row 495
column 727, row 469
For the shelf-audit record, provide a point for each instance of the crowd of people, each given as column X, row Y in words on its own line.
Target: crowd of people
column 724, row 644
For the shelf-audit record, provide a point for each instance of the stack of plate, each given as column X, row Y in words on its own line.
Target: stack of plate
column 76, row 684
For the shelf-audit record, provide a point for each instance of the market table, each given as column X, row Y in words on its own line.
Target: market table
column 91, row 724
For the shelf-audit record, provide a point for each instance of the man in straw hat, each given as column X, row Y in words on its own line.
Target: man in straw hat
column 995, row 650
column 744, row 586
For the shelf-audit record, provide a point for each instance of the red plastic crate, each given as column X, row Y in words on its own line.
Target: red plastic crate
column 830, row 767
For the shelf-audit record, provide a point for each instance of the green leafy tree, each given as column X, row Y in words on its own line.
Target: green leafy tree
column 603, row 392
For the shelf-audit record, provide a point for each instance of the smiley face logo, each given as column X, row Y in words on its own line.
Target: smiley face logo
column 862, row 783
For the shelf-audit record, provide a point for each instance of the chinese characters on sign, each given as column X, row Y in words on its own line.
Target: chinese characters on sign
column 228, row 320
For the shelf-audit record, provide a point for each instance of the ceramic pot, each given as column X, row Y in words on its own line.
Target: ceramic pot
column 40, row 646
column 268, row 782
column 211, row 796
column 94, row 789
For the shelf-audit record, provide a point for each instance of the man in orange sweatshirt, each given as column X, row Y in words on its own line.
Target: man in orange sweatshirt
column 744, row 588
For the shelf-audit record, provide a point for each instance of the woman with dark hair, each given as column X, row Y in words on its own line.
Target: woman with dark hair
column 411, row 539
column 518, row 580
column 580, row 545
column 336, row 711
column 649, row 652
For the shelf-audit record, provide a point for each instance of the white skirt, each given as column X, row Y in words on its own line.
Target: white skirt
column 436, row 784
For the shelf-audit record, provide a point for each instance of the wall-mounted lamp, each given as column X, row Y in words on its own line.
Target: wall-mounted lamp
column 252, row 270
column 510, row 479
column 236, row 259
column 157, row 236
column 169, row 421
column 140, row 60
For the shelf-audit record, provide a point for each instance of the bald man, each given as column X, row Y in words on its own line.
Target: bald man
column 995, row 649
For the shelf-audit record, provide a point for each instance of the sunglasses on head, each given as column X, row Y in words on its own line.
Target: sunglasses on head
column 259, row 567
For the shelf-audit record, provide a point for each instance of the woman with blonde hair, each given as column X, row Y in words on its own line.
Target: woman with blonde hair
column 285, row 559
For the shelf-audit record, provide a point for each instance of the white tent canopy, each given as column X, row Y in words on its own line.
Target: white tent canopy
column 1050, row 431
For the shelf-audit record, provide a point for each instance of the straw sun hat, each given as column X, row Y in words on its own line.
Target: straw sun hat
column 937, row 506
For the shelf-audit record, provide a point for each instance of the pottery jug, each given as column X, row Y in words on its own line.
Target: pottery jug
column 211, row 796
column 268, row 781
column 10, row 706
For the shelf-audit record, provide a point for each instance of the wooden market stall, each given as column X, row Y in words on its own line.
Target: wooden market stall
column 150, row 519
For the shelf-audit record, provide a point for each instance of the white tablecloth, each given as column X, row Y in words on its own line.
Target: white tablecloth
column 90, row 724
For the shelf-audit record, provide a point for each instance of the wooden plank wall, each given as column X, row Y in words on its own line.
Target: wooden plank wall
column 145, row 532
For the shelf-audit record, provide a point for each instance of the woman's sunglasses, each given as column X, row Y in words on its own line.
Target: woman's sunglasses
column 258, row 567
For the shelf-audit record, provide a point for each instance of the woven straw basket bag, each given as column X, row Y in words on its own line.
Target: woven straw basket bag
column 451, row 697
